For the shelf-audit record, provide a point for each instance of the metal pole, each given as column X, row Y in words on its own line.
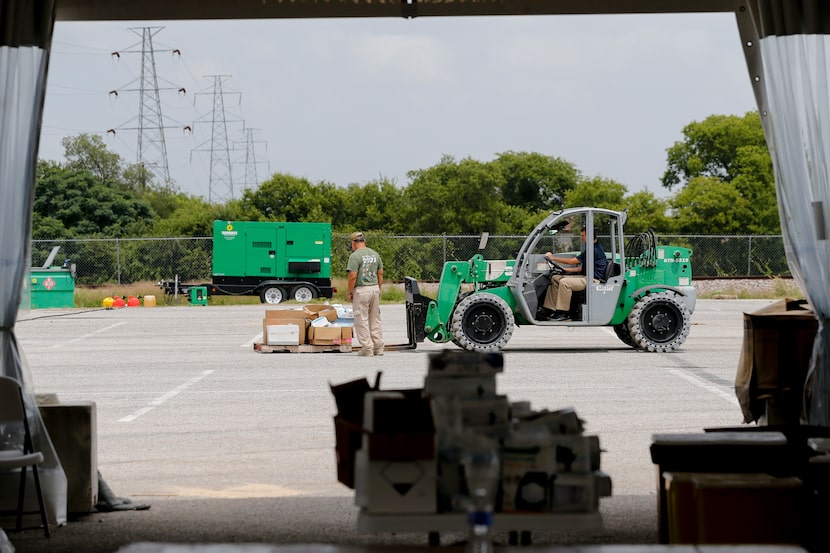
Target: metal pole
column 749, row 258
column 118, row 259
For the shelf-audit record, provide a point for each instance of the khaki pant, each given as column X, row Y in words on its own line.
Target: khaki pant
column 561, row 289
column 367, row 325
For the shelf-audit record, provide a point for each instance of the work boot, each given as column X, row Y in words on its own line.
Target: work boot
column 560, row 316
column 365, row 353
column 544, row 314
column 379, row 351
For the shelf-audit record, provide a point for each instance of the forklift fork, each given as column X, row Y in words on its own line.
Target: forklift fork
column 416, row 315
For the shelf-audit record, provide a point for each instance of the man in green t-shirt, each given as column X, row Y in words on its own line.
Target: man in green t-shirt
column 365, row 279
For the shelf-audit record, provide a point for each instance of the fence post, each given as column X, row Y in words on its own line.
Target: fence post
column 118, row 260
column 749, row 257
column 444, row 236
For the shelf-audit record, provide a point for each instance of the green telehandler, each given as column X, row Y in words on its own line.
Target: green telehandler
column 646, row 294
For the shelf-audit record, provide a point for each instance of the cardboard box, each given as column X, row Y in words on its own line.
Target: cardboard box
column 574, row 493
column 681, row 507
column 460, row 386
column 395, row 486
column 329, row 335
column 348, row 424
column 526, row 477
column 491, row 411
column 576, row 453
column 410, row 412
column 280, row 317
column 562, row 421
column 733, row 508
column 314, row 311
column 401, row 425
column 459, row 362
column 281, row 335
column 775, row 357
column 348, row 439
column 750, row 508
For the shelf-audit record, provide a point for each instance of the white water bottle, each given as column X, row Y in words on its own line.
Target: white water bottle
column 481, row 468
column 480, row 538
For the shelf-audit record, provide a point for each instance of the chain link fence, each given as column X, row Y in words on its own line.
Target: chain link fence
column 130, row 260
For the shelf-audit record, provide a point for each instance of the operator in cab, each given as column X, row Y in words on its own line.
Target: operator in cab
column 557, row 304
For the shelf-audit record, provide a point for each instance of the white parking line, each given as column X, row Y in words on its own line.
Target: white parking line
column 250, row 343
column 700, row 383
column 85, row 336
column 164, row 397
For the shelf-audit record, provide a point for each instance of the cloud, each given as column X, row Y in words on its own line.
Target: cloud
column 410, row 59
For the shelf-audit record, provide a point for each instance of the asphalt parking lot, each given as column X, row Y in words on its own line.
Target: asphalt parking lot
column 188, row 412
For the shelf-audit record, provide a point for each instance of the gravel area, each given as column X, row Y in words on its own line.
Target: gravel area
column 752, row 287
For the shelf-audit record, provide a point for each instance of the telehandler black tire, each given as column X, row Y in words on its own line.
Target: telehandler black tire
column 625, row 335
column 659, row 322
column 482, row 322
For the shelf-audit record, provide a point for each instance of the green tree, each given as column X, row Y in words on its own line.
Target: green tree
column 730, row 155
column 192, row 216
column 87, row 152
column 755, row 182
column 710, row 148
column 597, row 192
column 455, row 198
column 647, row 211
column 534, row 181
column 373, row 206
column 85, row 206
column 288, row 198
column 137, row 177
column 708, row 205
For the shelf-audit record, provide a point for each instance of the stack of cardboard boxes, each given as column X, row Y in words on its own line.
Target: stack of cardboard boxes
column 402, row 450
column 313, row 324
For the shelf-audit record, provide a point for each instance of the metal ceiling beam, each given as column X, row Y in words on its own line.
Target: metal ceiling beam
column 114, row 10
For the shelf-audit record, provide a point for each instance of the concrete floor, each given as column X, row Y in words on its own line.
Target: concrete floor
column 627, row 520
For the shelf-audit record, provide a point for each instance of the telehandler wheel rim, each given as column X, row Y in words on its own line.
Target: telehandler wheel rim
column 659, row 322
column 303, row 293
column 272, row 295
column 482, row 322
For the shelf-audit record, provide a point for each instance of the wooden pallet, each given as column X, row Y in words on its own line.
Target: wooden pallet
column 303, row 348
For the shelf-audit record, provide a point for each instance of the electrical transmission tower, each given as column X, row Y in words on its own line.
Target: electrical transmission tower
column 220, row 185
column 251, row 159
column 151, row 147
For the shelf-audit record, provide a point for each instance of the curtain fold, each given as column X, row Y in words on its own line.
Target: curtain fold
column 797, row 89
column 25, row 35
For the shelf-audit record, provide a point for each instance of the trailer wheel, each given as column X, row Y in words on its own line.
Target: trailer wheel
column 625, row 335
column 303, row 293
column 272, row 295
column 659, row 322
column 482, row 322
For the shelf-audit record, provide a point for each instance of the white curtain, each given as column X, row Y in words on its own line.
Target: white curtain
column 25, row 33
column 798, row 132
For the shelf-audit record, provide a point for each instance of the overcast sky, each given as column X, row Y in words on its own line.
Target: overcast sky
column 350, row 100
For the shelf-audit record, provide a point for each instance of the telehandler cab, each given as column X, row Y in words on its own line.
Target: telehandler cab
column 646, row 294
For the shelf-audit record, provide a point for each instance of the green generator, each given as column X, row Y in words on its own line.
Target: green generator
column 276, row 260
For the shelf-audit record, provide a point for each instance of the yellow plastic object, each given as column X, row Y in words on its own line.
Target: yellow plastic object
column 149, row 301
column 107, row 303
